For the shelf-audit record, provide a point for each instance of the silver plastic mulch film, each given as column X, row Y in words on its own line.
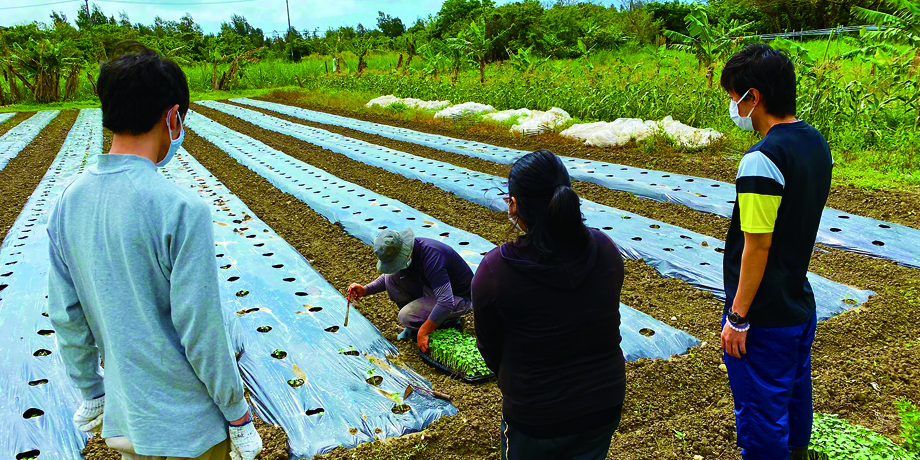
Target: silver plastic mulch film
column 325, row 384
column 363, row 213
column 17, row 138
column 838, row 229
column 672, row 251
column 38, row 399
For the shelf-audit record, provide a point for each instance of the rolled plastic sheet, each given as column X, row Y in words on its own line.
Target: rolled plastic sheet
column 20, row 135
column 363, row 213
column 6, row 116
column 324, row 383
column 673, row 251
column 37, row 398
column 841, row 230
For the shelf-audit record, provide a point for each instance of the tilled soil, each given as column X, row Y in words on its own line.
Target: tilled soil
column 715, row 162
column 864, row 360
column 13, row 121
column 23, row 173
column 687, row 393
column 860, row 370
column 673, row 301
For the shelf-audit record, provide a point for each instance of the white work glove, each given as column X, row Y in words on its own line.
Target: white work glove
column 89, row 415
column 245, row 442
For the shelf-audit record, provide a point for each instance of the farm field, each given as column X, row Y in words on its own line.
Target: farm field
column 865, row 359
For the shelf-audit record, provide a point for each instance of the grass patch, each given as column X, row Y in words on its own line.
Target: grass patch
column 840, row 440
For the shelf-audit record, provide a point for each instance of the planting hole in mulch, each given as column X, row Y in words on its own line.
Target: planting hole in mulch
column 45, row 332
column 246, row 311
column 28, row 455
column 316, row 411
column 646, row 332
column 296, row 383
column 352, row 353
column 32, row 413
column 41, row 352
column 242, row 293
column 400, row 409
column 279, row 354
column 315, row 309
column 332, row 329
column 38, row 382
column 375, row 380
column 264, row 329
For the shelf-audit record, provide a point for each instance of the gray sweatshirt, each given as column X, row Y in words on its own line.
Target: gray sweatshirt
column 133, row 277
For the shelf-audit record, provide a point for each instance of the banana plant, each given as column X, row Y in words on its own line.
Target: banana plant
column 709, row 42
column 524, row 61
column 435, row 59
column 477, row 44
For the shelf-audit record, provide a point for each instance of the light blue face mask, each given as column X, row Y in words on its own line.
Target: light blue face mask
column 174, row 144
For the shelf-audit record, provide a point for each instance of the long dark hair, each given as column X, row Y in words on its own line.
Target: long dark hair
column 547, row 205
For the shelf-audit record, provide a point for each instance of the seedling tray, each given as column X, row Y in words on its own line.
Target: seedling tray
column 466, row 378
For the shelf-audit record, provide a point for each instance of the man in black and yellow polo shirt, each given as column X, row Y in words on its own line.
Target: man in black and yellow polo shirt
column 769, row 327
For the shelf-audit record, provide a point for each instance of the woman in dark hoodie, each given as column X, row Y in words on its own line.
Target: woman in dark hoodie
column 548, row 322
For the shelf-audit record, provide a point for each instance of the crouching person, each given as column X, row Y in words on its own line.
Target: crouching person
column 547, row 314
column 133, row 278
column 427, row 279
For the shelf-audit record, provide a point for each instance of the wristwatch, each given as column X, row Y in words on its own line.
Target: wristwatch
column 736, row 319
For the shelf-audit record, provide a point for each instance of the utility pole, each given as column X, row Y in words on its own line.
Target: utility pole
column 287, row 6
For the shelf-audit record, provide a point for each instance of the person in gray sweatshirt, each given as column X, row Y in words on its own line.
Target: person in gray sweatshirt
column 133, row 279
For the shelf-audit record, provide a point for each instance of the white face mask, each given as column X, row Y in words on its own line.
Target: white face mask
column 174, row 144
column 745, row 123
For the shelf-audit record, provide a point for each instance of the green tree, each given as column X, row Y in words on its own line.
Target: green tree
column 390, row 26
column 455, row 13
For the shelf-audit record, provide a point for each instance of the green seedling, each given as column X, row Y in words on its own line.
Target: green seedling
column 458, row 352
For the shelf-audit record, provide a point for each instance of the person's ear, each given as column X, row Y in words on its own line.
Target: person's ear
column 512, row 207
column 755, row 97
column 172, row 118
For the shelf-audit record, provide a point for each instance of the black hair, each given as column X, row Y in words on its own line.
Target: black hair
column 136, row 87
column 769, row 70
column 547, row 205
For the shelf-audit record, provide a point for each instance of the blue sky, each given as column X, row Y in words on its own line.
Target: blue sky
column 269, row 15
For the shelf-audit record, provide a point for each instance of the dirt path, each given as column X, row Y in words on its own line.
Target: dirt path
column 15, row 120
column 23, row 173
column 716, row 162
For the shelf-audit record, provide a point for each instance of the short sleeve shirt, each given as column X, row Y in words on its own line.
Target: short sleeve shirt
column 782, row 186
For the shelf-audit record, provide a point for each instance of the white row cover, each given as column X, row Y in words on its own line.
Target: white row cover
column 623, row 130
column 386, row 101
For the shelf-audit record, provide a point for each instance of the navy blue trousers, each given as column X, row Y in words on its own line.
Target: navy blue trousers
column 771, row 385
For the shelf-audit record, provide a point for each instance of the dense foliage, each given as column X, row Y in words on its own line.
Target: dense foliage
column 40, row 54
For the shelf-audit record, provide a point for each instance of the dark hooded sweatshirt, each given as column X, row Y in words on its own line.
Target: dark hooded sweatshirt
column 551, row 332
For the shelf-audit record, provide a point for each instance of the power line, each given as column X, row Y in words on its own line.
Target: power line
column 223, row 2
column 40, row 4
